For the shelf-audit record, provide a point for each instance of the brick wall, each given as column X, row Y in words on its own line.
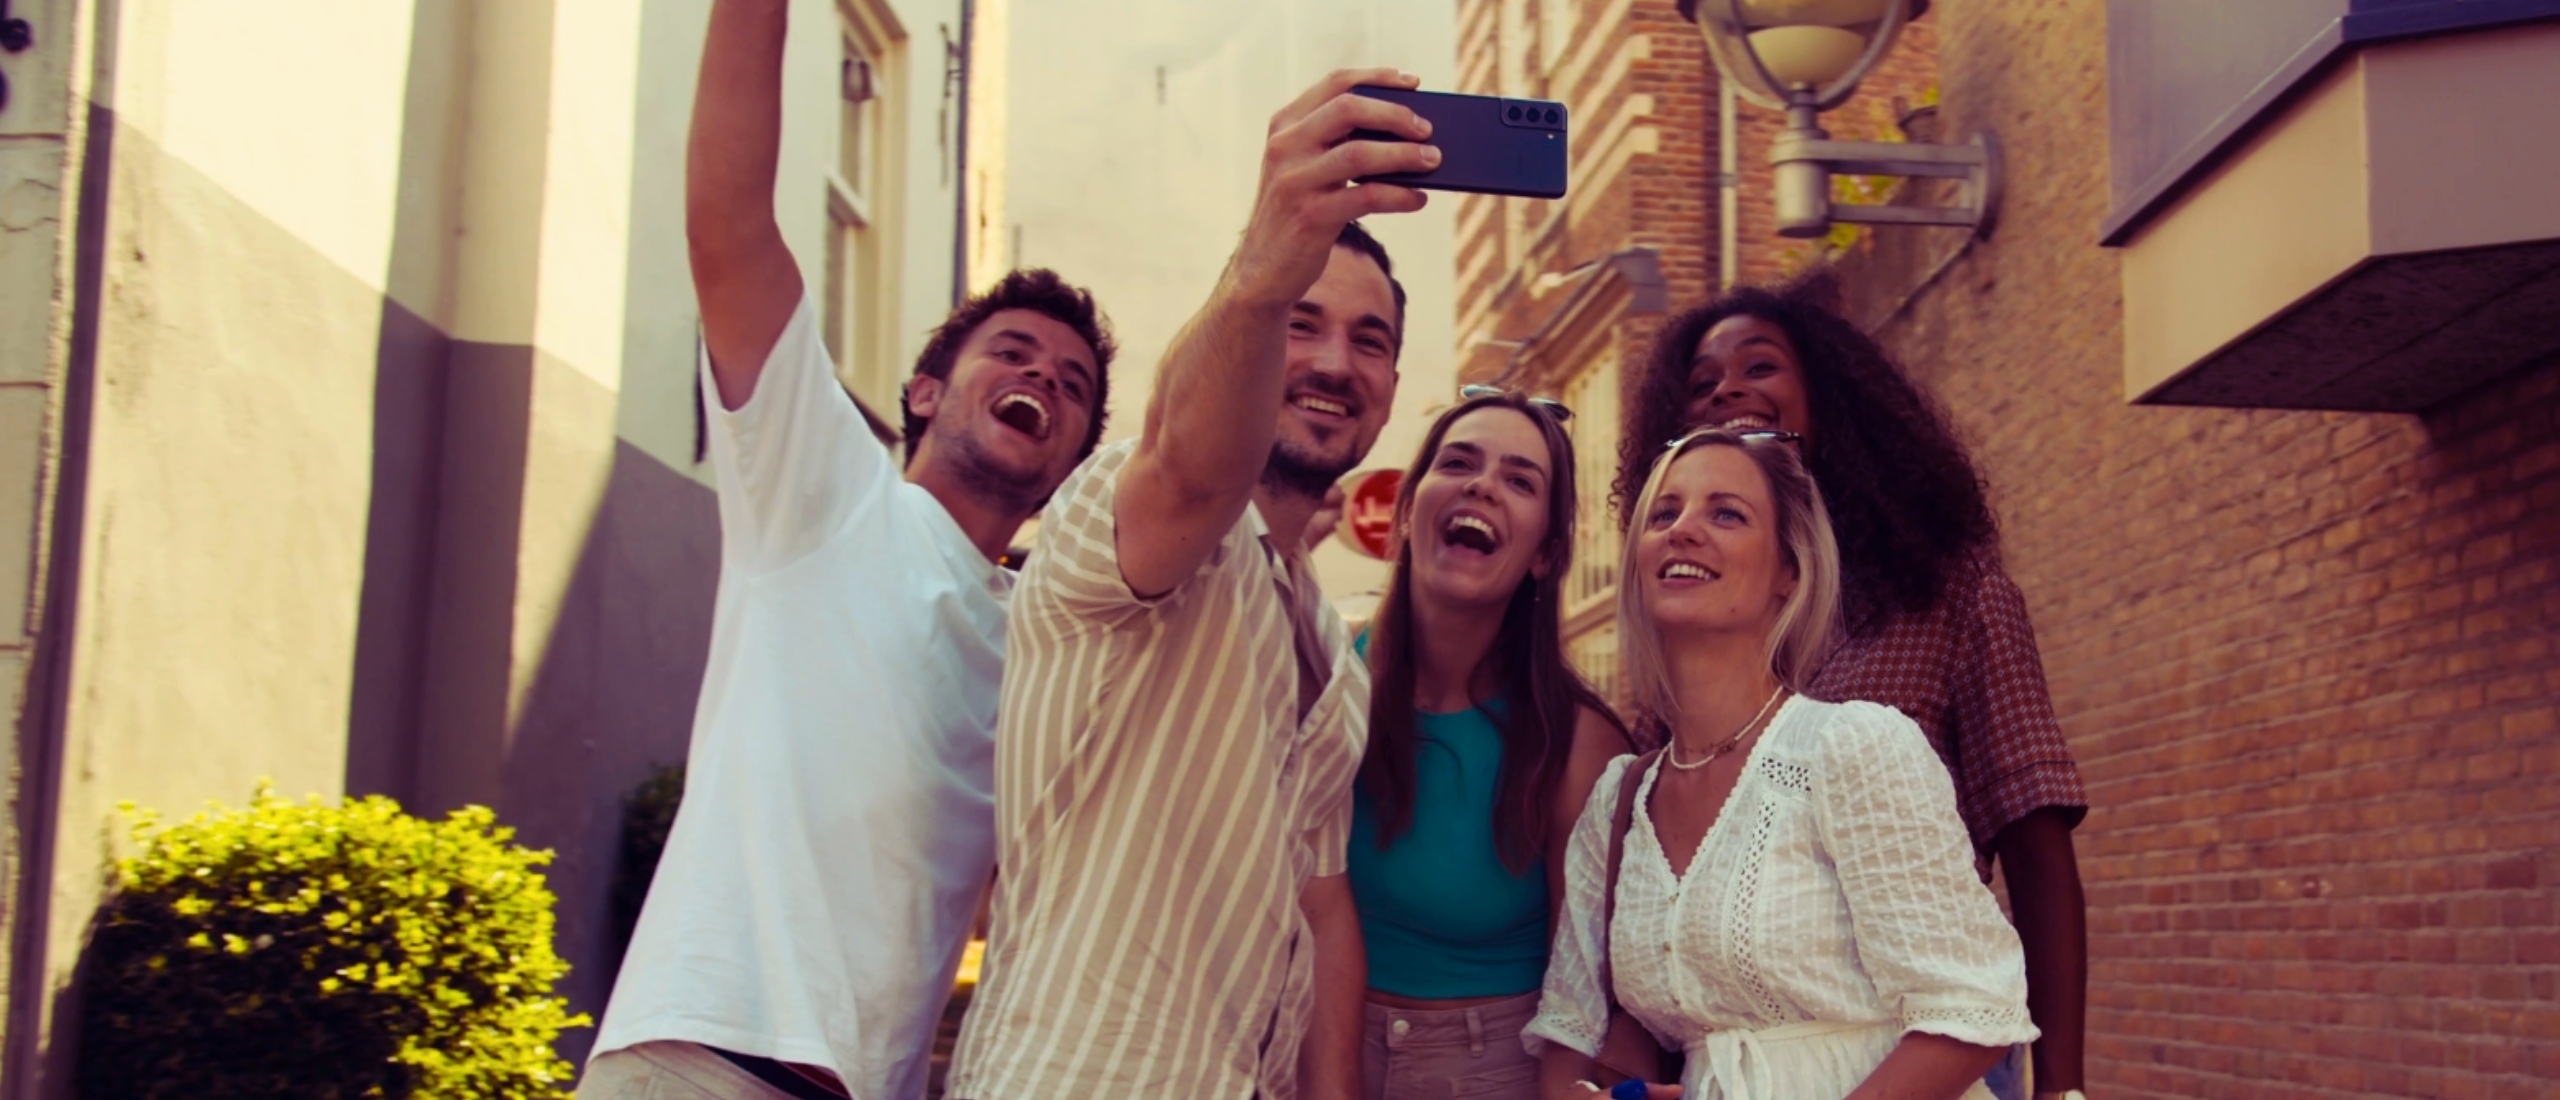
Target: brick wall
column 2308, row 661
column 1635, row 77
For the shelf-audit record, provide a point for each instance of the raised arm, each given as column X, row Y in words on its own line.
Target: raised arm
column 1210, row 423
column 743, row 273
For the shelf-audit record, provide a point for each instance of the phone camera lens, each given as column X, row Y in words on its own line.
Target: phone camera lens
column 1513, row 114
column 1551, row 115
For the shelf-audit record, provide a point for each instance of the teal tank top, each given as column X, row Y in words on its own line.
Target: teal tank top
column 1442, row 916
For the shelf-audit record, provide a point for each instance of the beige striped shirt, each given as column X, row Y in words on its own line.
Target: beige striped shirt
column 1159, row 803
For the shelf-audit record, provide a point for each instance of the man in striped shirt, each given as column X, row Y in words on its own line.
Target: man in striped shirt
column 1182, row 713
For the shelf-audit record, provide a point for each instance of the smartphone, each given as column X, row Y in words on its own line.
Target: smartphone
column 1488, row 145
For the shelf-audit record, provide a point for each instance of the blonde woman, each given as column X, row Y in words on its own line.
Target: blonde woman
column 1795, row 906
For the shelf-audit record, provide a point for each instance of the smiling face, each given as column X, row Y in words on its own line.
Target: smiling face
column 1745, row 373
column 1016, row 410
column 1341, row 380
column 1479, row 521
column 1708, row 552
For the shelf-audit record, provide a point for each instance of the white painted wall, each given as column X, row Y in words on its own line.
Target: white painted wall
column 1137, row 189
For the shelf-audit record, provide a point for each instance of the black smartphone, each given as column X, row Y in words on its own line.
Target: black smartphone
column 1488, row 145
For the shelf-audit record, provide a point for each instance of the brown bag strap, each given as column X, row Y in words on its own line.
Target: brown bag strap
column 1629, row 784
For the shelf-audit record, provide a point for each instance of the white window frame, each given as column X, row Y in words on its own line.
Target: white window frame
column 865, row 223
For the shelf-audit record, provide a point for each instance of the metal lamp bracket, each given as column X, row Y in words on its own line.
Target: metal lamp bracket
column 1805, row 159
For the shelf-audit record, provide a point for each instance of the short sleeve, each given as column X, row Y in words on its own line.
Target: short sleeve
column 1076, row 562
column 1329, row 839
column 1572, row 1009
column 797, row 462
column 1928, row 932
column 2012, row 757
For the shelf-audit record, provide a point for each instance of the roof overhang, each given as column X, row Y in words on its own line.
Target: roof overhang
column 2384, row 241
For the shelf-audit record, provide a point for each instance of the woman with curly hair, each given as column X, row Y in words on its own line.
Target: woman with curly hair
column 1934, row 627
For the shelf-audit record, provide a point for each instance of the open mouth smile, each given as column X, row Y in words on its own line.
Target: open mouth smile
column 1677, row 570
column 1023, row 413
column 1322, row 405
column 1467, row 531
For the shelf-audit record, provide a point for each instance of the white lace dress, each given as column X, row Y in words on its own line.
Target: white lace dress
column 1832, row 907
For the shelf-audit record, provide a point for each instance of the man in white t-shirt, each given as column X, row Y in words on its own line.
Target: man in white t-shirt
column 837, row 830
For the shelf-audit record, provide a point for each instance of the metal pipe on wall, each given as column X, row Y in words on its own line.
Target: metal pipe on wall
column 960, row 159
column 1728, row 186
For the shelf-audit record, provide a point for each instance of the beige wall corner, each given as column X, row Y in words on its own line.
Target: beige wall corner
column 2465, row 139
column 2276, row 222
column 990, row 245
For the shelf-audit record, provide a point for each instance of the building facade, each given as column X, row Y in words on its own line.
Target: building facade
column 348, row 434
column 2263, row 368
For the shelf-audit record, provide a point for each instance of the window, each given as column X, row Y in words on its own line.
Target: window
column 1593, row 397
column 1591, row 590
column 863, row 201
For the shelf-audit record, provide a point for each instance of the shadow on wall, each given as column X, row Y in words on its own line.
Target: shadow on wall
column 613, row 699
column 461, row 453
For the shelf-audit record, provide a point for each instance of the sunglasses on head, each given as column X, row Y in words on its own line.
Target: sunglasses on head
column 1750, row 435
column 1554, row 409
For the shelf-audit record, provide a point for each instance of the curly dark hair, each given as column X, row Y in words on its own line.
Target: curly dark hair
column 1041, row 291
column 1904, row 498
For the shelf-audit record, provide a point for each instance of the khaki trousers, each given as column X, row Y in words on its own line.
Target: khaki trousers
column 670, row 1071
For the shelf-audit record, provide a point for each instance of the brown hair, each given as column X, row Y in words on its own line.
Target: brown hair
column 1041, row 291
column 1540, row 691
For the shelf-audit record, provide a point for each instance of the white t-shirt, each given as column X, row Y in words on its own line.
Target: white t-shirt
column 838, row 819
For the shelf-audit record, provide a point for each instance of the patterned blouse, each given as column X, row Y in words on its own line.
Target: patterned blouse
column 1968, row 673
column 1826, row 912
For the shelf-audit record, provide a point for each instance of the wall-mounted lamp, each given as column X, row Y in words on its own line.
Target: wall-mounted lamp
column 1805, row 57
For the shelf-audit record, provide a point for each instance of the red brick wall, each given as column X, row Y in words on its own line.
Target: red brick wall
column 1662, row 199
column 2307, row 660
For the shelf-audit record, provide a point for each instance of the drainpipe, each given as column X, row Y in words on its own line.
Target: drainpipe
column 960, row 161
column 1728, row 186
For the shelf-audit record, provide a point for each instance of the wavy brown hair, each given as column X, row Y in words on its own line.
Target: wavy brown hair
column 1525, row 669
column 1904, row 498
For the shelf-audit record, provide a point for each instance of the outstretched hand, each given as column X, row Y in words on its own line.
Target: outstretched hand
column 1307, row 194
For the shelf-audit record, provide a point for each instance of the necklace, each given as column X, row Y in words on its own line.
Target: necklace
column 1672, row 753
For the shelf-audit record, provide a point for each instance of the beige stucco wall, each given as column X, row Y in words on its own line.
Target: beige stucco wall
column 391, row 482
column 1139, row 192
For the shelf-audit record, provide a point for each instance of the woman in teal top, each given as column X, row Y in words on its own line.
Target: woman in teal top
column 1483, row 746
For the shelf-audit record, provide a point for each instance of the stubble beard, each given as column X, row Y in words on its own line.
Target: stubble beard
column 985, row 477
column 1298, row 471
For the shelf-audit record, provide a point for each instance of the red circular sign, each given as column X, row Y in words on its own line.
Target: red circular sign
column 1369, row 511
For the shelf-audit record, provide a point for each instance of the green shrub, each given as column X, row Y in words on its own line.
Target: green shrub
column 647, row 815
column 304, row 950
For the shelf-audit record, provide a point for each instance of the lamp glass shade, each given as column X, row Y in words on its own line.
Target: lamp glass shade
column 1778, row 52
column 1811, row 56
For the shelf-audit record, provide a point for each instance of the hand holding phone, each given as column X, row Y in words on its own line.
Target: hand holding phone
column 1488, row 145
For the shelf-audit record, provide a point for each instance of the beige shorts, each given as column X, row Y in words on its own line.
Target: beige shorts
column 670, row 1071
column 1445, row 1053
